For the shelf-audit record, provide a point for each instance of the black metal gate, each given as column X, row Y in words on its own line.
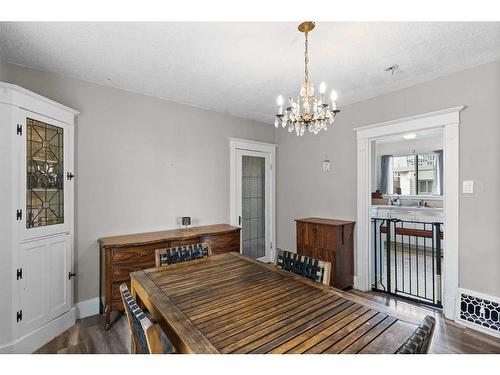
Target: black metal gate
column 407, row 259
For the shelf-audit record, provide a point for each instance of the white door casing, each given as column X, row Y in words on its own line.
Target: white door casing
column 448, row 120
column 238, row 148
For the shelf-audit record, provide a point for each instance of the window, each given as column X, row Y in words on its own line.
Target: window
column 425, row 187
column 413, row 174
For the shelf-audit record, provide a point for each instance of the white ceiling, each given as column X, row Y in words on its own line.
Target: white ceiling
column 240, row 68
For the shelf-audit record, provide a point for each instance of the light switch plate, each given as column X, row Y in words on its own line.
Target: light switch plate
column 468, row 187
column 326, row 165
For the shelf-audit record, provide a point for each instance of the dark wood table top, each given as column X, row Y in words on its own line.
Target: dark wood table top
column 230, row 303
column 164, row 235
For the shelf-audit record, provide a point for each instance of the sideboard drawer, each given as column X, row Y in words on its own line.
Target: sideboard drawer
column 122, row 270
column 223, row 243
column 130, row 255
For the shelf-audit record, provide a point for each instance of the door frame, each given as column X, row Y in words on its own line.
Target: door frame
column 238, row 144
column 447, row 120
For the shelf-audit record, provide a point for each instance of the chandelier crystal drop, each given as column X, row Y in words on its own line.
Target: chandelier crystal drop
column 307, row 112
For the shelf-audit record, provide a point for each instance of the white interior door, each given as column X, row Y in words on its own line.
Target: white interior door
column 45, row 291
column 254, row 203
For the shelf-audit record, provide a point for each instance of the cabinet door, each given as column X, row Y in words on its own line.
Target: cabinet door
column 306, row 238
column 45, row 289
column 44, row 186
column 325, row 242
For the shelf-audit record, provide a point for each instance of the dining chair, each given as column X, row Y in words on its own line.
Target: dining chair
column 308, row 267
column 182, row 253
column 420, row 340
column 147, row 337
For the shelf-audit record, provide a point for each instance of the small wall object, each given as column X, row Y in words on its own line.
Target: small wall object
column 326, row 165
column 186, row 222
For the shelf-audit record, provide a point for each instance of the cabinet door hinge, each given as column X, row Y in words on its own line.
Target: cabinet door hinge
column 70, row 275
column 19, row 316
column 271, row 244
column 19, row 129
column 19, row 273
column 70, row 175
column 19, row 214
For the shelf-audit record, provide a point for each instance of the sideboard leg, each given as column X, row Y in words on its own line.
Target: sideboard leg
column 107, row 313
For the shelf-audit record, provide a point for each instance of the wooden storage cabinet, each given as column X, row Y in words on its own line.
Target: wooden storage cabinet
column 121, row 255
column 332, row 241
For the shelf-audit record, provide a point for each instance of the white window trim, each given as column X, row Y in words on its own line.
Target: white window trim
column 448, row 120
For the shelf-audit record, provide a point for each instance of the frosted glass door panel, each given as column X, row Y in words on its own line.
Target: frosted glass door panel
column 253, row 186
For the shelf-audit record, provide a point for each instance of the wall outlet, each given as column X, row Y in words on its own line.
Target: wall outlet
column 468, row 187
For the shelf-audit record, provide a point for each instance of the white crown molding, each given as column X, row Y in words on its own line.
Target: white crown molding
column 30, row 101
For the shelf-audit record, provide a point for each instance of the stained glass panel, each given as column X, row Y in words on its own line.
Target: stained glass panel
column 253, row 206
column 45, row 174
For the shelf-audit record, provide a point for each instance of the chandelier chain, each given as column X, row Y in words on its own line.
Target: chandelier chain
column 306, row 58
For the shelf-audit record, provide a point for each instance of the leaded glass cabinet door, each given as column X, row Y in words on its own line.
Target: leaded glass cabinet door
column 253, row 203
column 44, row 181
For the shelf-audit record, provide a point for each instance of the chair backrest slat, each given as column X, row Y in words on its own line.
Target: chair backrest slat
column 182, row 253
column 420, row 340
column 308, row 267
column 145, row 334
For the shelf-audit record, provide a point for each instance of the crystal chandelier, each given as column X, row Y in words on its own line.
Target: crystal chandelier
column 307, row 111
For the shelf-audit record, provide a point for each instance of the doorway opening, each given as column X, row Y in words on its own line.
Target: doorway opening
column 405, row 233
column 407, row 216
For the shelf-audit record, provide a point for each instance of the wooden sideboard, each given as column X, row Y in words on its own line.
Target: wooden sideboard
column 121, row 255
column 332, row 241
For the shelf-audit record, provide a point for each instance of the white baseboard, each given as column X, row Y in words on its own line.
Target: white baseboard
column 88, row 307
column 36, row 339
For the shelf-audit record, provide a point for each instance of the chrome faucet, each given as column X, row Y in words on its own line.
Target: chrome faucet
column 394, row 201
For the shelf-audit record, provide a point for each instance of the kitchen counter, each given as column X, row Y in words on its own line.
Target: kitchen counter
column 410, row 208
column 409, row 213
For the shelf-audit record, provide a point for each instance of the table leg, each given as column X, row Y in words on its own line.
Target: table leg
column 107, row 313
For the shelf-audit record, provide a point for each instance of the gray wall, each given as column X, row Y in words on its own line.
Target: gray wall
column 141, row 162
column 304, row 190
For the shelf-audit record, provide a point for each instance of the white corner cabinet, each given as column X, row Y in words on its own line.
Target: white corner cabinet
column 36, row 219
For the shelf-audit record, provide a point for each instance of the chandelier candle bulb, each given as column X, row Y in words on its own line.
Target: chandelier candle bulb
column 333, row 97
column 280, row 105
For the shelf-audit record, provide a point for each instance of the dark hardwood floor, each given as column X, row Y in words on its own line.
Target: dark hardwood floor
column 449, row 337
column 88, row 335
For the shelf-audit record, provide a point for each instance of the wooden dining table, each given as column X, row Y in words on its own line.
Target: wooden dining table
column 230, row 303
